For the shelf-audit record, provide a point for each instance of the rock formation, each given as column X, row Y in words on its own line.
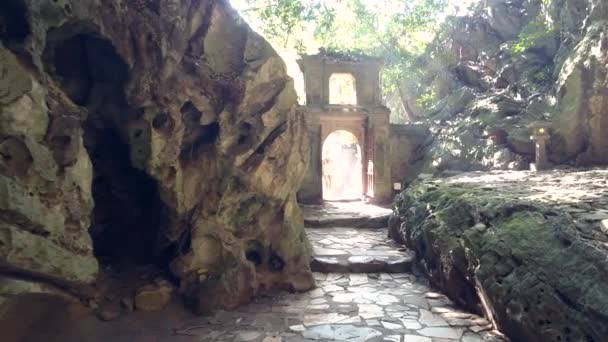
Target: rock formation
column 532, row 260
column 155, row 131
column 509, row 66
column 504, row 245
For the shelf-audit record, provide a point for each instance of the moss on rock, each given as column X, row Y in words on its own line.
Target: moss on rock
column 522, row 263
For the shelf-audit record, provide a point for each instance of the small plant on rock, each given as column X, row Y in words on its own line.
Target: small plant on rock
column 536, row 33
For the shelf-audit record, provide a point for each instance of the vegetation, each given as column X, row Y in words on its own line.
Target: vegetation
column 427, row 100
column 398, row 36
column 534, row 34
column 411, row 36
column 287, row 21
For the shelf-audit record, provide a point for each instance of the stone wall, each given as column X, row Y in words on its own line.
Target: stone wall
column 318, row 69
column 136, row 122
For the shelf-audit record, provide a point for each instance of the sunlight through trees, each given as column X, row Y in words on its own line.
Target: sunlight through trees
column 398, row 31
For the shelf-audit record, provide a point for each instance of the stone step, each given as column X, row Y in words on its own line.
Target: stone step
column 375, row 222
column 357, row 250
column 361, row 264
column 354, row 215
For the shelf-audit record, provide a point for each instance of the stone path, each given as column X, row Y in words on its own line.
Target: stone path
column 369, row 306
column 345, row 214
column 344, row 307
column 354, row 308
column 358, row 250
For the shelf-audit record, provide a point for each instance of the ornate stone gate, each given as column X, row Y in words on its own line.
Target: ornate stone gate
column 367, row 120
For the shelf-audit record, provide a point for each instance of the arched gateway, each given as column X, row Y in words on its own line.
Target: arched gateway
column 341, row 166
column 360, row 113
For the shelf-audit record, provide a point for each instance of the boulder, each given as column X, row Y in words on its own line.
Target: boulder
column 524, row 264
column 153, row 297
column 452, row 105
column 582, row 119
column 473, row 75
column 505, row 18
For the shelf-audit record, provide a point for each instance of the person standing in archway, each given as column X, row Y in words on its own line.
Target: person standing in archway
column 349, row 152
column 326, row 169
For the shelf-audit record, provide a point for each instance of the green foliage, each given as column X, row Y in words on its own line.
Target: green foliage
column 533, row 34
column 400, row 37
column 398, row 31
column 284, row 20
column 427, row 100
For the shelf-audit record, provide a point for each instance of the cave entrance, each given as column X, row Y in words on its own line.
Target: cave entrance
column 14, row 26
column 128, row 210
column 341, row 165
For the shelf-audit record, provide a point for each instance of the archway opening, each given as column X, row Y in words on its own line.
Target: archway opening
column 342, row 89
column 341, row 167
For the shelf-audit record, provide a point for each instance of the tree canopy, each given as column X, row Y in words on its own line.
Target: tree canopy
column 398, row 31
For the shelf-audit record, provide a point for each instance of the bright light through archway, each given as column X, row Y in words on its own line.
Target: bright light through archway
column 342, row 173
column 342, row 89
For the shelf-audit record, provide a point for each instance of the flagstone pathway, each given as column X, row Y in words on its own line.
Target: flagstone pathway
column 365, row 293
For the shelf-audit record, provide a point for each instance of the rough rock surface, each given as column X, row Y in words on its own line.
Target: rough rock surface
column 166, row 129
column 525, row 249
column 508, row 66
column 153, row 297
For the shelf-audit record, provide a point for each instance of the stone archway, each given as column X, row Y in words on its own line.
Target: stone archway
column 341, row 156
column 360, row 111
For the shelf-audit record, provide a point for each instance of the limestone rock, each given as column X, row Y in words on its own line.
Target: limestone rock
column 484, row 242
column 506, row 18
column 47, row 206
column 518, row 82
column 153, row 297
column 581, row 121
column 454, row 104
column 168, row 145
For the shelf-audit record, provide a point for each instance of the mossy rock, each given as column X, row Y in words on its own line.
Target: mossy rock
column 540, row 278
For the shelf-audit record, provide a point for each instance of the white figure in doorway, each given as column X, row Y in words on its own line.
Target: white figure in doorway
column 327, row 176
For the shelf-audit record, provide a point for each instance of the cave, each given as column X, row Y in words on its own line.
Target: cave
column 14, row 25
column 128, row 211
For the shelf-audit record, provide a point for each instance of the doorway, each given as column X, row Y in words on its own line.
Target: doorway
column 341, row 167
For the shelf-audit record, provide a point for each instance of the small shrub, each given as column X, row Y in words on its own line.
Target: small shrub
column 532, row 35
column 427, row 100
